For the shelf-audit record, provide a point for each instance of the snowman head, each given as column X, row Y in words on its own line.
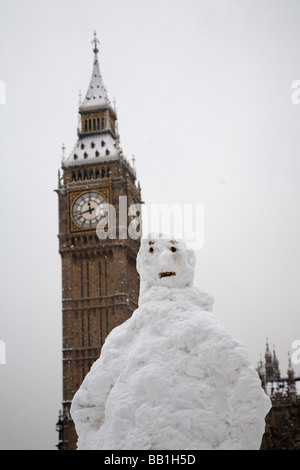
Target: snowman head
column 165, row 261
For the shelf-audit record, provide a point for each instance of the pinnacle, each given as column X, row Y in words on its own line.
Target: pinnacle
column 96, row 95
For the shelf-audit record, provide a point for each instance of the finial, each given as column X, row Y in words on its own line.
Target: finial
column 63, row 149
column 80, row 103
column 133, row 161
column 95, row 41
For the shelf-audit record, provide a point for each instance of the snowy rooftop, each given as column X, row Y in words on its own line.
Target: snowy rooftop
column 93, row 148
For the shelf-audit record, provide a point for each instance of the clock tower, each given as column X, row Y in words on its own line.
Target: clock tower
column 99, row 237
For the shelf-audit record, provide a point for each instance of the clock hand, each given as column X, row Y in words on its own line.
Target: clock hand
column 90, row 209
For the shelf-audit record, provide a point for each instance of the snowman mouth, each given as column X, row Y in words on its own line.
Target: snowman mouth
column 167, row 274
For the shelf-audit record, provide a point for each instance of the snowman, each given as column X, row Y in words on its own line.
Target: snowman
column 171, row 377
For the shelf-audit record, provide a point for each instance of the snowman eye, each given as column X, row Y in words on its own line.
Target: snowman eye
column 151, row 249
column 173, row 249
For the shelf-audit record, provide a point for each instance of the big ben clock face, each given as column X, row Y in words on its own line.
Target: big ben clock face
column 88, row 209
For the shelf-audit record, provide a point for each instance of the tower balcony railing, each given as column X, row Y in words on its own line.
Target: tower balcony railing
column 95, row 131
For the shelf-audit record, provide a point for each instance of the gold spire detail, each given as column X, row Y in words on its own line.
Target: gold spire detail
column 63, row 154
column 95, row 41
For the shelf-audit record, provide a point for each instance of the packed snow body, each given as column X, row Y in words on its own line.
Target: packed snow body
column 171, row 377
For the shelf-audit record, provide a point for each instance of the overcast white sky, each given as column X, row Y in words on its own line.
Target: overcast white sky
column 203, row 91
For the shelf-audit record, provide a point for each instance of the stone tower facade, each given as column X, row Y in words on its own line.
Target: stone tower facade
column 99, row 237
column 283, row 420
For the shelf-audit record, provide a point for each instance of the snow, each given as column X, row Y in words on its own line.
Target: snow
column 96, row 95
column 171, row 377
column 92, row 149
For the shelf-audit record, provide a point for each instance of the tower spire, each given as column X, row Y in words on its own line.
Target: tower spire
column 268, row 363
column 276, row 371
column 98, row 135
column 291, row 378
column 96, row 95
